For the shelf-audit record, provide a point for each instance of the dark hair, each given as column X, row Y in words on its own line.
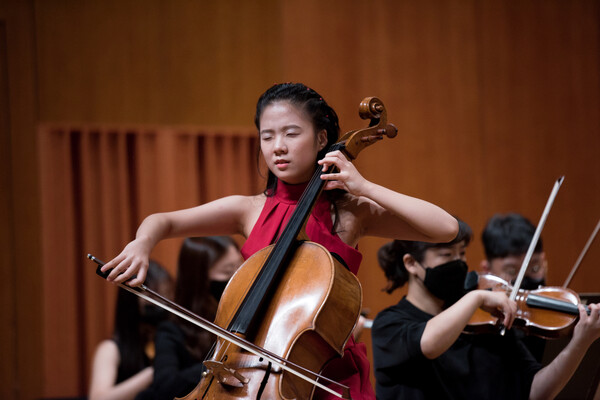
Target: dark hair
column 508, row 235
column 128, row 333
column 192, row 287
column 390, row 255
column 312, row 103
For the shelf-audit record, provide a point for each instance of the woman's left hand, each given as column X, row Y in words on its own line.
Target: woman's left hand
column 347, row 178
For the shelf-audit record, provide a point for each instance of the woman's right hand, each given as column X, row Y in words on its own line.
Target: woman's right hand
column 132, row 262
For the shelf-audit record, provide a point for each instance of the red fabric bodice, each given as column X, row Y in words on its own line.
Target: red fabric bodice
column 276, row 213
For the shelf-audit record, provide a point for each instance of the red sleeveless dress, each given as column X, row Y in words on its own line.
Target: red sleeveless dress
column 352, row 369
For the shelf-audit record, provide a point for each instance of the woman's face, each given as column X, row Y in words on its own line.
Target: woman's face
column 435, row 256
column 226, row 266
column 288, row 142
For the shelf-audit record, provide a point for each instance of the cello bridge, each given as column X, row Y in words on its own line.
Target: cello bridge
column 225, row 375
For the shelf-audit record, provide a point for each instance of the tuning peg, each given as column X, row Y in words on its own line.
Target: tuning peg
column 389, row 131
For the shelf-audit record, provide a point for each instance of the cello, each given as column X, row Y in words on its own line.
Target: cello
column 283, row 300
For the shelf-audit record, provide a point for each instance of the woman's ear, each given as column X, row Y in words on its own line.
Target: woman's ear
column 322, row 139
column 410, row 263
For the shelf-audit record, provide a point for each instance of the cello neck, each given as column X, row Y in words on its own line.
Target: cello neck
column 281, row 254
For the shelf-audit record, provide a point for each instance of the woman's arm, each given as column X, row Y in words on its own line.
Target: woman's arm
column 394, row 215
column 551, row 379
column 226, row 216
column 104, row 375
column 386, row 213
column 442, row 330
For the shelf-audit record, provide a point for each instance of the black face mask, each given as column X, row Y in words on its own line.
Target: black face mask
column 446, row 281
column 153, row 315
column 531, row 284
column 217, row 288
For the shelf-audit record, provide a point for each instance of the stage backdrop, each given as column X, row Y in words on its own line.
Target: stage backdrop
column 493, row 101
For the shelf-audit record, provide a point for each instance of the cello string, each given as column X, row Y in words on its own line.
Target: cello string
column 228, row 336
column 215, row 329
column 582, row 255
column 279, row 258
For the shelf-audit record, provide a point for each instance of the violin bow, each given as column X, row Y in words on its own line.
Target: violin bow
column 534, row 241
column 149, row 295
column 582, row 255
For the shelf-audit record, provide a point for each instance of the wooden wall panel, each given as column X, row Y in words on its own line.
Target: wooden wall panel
column 166, row 62
column 541, row 121
column 8, row 374
column 493, row 101
column 21, row 315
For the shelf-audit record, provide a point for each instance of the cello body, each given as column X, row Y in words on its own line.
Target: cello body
column 301, row 322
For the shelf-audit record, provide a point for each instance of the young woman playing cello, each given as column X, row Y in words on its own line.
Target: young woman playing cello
column 296, row 127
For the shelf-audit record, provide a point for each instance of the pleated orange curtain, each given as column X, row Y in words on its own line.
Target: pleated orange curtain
column 98, row 183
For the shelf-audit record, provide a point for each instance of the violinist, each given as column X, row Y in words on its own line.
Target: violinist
column 203, row 269
column 296, row 126
column 418, row 347
column 506, row 238
column 122, row 365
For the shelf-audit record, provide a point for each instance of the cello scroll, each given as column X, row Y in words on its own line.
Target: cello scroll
column 355, row 141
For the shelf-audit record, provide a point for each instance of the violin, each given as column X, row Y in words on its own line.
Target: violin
column 548, row 312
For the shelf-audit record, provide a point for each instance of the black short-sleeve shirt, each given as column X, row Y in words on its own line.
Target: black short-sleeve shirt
column 176, row 371
column 483, row 366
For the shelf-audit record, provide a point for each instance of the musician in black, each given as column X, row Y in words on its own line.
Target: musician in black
column 420, row 351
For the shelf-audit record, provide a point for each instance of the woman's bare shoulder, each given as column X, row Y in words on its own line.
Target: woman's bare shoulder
column 235, row 205
column 253, row 206
column 246, row 203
